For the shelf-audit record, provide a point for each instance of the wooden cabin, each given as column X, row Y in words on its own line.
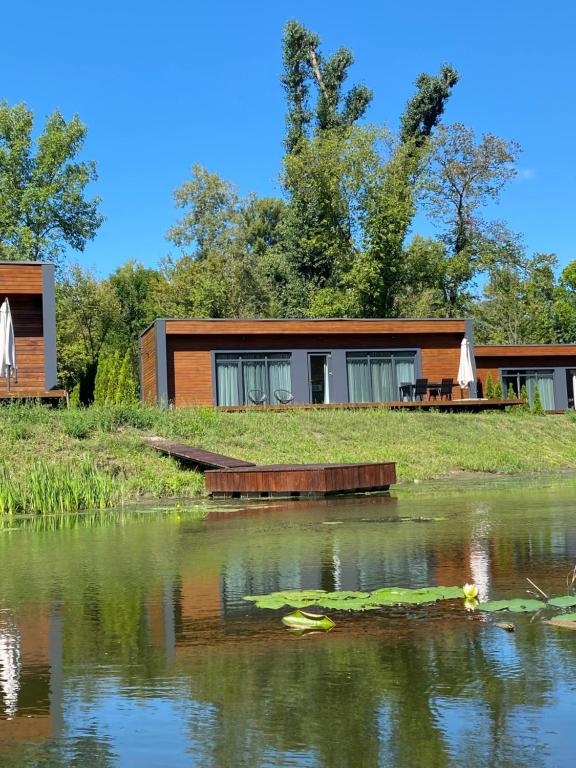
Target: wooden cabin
column 29, row 288
column 552, row 367
column 238, row 363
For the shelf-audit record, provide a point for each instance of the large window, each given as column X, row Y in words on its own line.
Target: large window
column 375, row 377
column 529, row 379
column 252, row 378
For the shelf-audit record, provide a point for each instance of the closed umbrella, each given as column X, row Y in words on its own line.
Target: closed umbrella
column 7, row 344
column 466, row 370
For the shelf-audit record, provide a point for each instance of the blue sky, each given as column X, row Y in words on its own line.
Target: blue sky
column 162, row 86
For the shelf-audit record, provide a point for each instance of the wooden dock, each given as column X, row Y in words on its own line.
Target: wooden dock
column 196, row 457
column 300, row 480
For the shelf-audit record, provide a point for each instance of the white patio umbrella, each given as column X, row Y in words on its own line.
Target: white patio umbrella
column 466, row 369
column 7, row 344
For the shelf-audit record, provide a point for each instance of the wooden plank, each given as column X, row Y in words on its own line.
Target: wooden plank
column 196, row 456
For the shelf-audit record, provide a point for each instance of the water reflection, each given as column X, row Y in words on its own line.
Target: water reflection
column 129, row 643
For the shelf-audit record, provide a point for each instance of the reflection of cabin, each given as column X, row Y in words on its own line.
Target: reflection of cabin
column 29, row 287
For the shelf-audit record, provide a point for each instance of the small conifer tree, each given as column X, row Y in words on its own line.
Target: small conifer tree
column 126, row 390
column 537, row 406
column 511, row 392
column 74, row 399
column 498, row 394
column 489, row 387
column 101, row 381
column 115, row 363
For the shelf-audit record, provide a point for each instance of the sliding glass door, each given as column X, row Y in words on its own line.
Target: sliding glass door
column 376, row 377
column 258, row 378
column 531, row 379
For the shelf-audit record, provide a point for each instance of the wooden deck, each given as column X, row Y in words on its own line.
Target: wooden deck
column 30, row 393
column 300, row 480
column 196, row 457
column 424, row 405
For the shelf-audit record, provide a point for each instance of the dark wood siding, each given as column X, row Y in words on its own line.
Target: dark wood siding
column 491, row 359
column 189, row 363
column 21, row 284
column 148, row 357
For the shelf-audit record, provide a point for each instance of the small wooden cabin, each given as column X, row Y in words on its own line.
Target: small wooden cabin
column 29, row 287
column 552, row 367
column 320, row 362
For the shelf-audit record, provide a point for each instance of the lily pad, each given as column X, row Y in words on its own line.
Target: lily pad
column 565, row 621
column 356, row 601
column 303, row 620
column 567, row 601
column 517, row 605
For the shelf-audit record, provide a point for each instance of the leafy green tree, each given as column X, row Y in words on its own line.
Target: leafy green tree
column 463, row 176
column 137, row 290
column 565, row 305
column 43, row 205
column 87, row 311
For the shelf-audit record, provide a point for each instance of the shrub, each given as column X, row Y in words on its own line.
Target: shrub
column 498, row 394
column 537, row 406
column 489, row 387
column 511, row 393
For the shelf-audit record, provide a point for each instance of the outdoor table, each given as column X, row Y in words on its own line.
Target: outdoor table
column 434, row 389
column 407, row 390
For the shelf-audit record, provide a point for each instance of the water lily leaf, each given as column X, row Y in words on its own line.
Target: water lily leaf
column 565, row 621
column 567, row 601
column 517, row 605
column 356, row 601
column 303, row 620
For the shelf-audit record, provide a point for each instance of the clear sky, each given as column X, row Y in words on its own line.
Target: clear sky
column 164, row 85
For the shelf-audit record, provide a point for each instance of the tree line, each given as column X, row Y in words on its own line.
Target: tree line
column 340, row 241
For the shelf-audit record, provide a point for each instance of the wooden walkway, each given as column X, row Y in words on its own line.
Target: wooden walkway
column 228, row 477
column 203, row 460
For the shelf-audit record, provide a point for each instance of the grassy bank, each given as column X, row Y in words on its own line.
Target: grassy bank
column 61, row 460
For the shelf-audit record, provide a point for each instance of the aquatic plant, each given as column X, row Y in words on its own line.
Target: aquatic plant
column 304, row 620
column 355, row 601
column 470, row 591
column 57, row 488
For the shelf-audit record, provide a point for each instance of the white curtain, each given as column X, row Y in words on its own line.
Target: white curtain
column 227, row 375
column 254, row 378
column 358, row 380
column 382, row 375
column 279, row 375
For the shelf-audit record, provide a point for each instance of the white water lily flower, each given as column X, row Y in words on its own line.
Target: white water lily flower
column 470, row 604
column 470, row 591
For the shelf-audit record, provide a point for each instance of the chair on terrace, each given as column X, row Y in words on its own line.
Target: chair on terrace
column 446, row 389
column 283, row 396
column 257, row 396
column 420, row 389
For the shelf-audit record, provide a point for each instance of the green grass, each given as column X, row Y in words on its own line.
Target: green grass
column 64, row 460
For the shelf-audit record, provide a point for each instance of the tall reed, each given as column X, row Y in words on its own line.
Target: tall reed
column 50, row 488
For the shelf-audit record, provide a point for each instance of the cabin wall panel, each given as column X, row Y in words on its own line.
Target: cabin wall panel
column 148, row 358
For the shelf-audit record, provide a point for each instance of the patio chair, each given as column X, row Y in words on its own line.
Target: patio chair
column 420, row 388
column 257, row 396
column 283, row 396
column 446, row 389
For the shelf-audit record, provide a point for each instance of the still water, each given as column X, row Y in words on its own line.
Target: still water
column 124, row 640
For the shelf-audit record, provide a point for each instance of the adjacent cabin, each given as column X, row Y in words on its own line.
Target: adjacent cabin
column 237, row 363
column 550, row 367
column 29, row 288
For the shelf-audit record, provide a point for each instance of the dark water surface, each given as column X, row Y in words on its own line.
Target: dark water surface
column 124, row 641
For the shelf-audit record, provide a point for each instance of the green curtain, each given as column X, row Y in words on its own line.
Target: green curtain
column 254, row 372
column 383, row 386
column 358, row 380
column 227, row 379
column 279, row 375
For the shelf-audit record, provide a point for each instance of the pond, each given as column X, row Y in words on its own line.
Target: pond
column 125, row 641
